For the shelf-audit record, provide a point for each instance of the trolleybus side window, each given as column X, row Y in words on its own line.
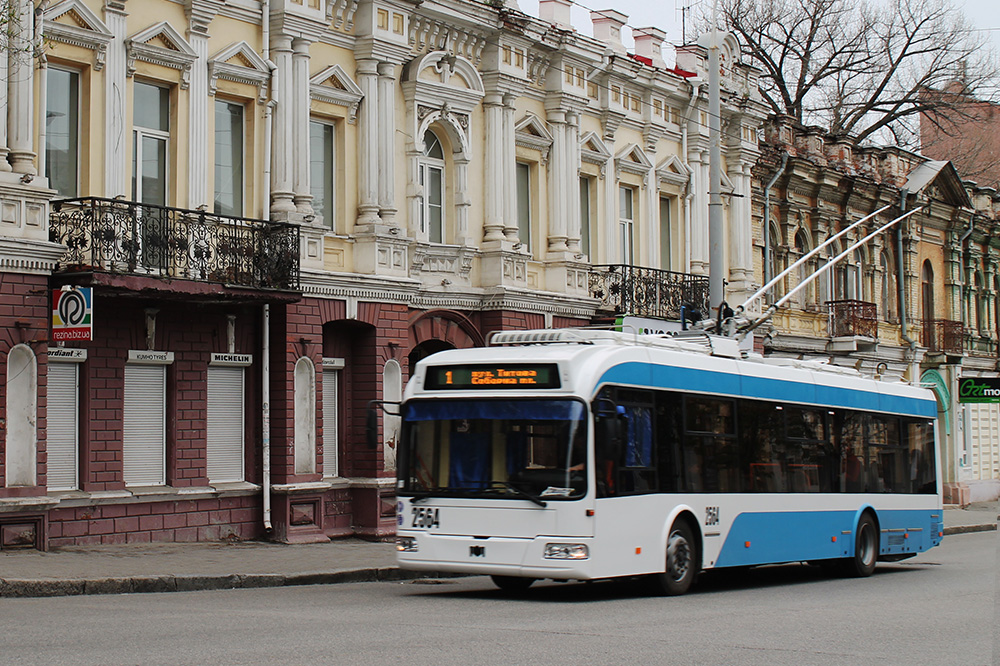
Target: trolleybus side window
column 711, row 451
column 920, row 444
column 887, row 461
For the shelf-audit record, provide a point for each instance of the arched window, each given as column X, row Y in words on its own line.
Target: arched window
column 433, row 184
column 772, row 264
column 927, row 292
column 888, row 286
column 305, row 416
column 392, row 392
column 22, row 414
column 979, row 304
column 805, row 297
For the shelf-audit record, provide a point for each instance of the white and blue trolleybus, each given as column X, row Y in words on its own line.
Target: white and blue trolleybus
column 581, row 455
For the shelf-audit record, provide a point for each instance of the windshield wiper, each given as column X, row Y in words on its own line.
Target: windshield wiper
column 520, row 492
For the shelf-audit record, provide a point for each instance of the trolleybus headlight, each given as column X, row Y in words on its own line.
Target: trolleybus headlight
column 406, row 545
column 566, row 551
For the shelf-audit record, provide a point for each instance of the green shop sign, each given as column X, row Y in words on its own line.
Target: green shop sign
column 979, row 389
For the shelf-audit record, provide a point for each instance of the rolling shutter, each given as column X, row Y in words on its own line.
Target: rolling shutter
column 144, row 432
column 62, row 431
column 225, row 424
column 331, row 422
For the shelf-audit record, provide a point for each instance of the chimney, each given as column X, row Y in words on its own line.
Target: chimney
column 649, row 44
column 556, row 12
column 608, row 28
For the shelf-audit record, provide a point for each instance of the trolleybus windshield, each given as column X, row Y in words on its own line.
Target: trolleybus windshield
column 527, row 449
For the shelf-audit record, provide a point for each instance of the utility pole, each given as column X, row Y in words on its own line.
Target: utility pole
column 716, row 229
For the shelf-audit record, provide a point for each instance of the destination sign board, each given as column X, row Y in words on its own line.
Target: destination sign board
column 518, row 375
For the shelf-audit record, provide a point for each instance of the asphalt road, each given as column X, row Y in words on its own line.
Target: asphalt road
column 938, row 608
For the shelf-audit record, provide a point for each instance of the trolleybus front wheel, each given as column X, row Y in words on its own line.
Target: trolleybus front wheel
column 865, row 549
column 512, row 583
column 681, row 561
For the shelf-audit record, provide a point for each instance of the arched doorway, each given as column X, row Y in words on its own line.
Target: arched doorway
column 438, row 330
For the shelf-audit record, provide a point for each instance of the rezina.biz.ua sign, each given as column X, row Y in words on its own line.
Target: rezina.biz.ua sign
column 979, row 389
column 72, row 313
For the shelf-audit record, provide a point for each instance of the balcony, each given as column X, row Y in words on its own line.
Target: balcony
column 853, row 326
column 127, row 238
column 648, row 292
column 942, row 336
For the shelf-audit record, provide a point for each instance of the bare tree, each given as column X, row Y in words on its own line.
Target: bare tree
column 859, row 67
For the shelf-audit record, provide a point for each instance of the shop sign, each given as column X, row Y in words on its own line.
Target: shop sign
column 979, row 389
column 72, row 313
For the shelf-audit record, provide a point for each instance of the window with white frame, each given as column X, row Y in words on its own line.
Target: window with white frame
column 229, row 157
column 224, row 426
column 332, row 369
column 62, row 131
column 433, row 185
column 151, row 134
column 666, row 234
column 144, row 432
column 322, row 171
column 626, row 223
column 523, row 180
column 586, row 188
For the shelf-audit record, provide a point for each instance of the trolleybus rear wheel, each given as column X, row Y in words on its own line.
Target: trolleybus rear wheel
column 865, row 549
column 512, row 583
column 681, row 561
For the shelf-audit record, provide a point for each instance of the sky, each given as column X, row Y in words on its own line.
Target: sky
column 667, row 15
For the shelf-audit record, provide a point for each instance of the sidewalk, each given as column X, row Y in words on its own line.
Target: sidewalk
column 174, row 567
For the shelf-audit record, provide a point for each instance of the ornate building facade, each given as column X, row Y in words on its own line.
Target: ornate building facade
column 917, row 303
column 280, row 205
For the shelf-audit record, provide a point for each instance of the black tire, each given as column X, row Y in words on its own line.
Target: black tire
column 512, row 583
column 866, row 547
column 681, row 561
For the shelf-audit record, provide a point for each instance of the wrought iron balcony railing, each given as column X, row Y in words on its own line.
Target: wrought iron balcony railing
column 851, row 318
column 130, row 238
column 943, row 336
column 648, row 292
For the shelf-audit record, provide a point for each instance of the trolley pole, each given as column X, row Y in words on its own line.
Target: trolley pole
column 716, row 227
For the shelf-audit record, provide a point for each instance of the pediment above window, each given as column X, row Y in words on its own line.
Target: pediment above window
column 334, row 86
column 672, row 170
column 593, row 149
column 441, row 76
column 239, row 63
column 71, row 22
column 162, row 45
column 633, row 160
column 530, row 132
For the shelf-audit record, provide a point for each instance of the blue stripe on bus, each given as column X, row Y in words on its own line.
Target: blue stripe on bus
column 764, row 538
column 724, row 383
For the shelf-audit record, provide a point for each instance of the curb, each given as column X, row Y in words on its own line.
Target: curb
column 25, row 588
column 16, row 587
column 967, row 529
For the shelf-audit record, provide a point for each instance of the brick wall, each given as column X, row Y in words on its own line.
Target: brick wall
column 215, row 519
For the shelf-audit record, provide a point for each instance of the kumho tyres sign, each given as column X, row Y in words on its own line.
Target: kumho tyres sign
column 979, row 389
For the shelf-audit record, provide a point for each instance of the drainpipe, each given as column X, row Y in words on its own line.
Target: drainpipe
column 695, row 88
column 961, row 266
column 266, row 213
column 767, row 216
column 901, row 294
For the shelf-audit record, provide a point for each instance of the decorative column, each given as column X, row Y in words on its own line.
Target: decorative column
column 387, row 142
column 300, row 126
column 559, row 168
column 20, row 84
column 493, row 225
column 117, row 144
column 198, row 112
column 741, row 232
column 573, row 179
column 367, row 73
column 508, row 165
column 282, row 137
column 699, row 216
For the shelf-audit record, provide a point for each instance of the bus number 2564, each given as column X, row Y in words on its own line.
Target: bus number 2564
column 425, row 517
